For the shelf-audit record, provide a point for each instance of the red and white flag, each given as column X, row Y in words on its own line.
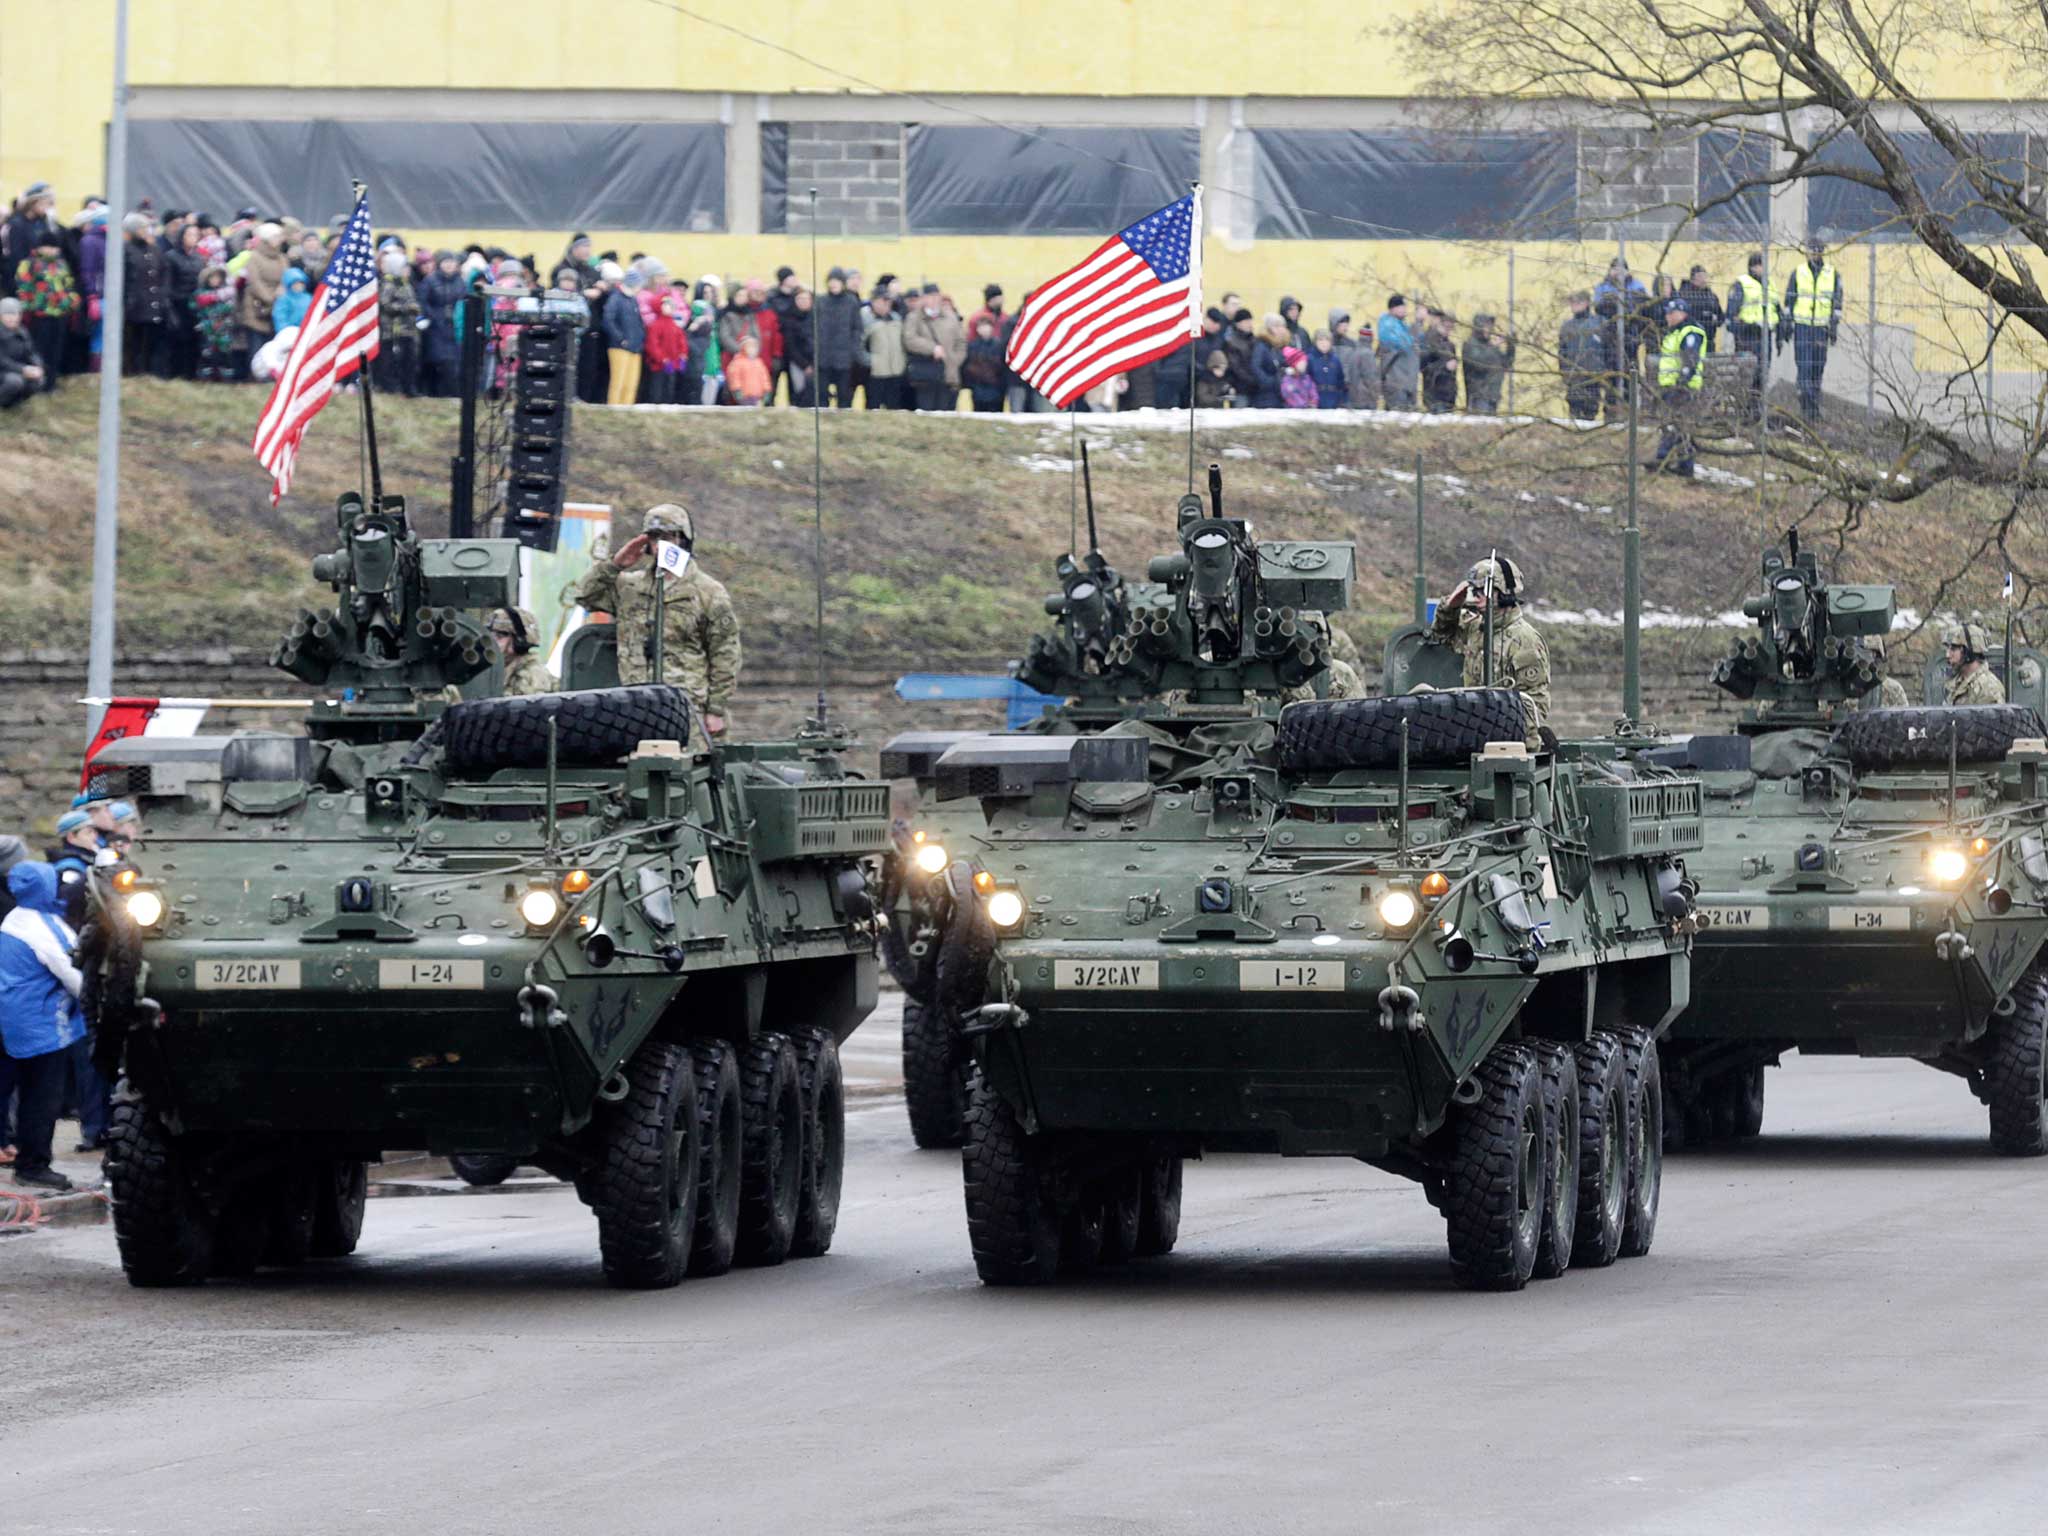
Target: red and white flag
column 142, row 717
column 339, row 331
column 1136, row 297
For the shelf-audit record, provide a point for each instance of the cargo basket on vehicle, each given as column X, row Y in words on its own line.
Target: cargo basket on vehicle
column 837, row 819
column 1649, row 817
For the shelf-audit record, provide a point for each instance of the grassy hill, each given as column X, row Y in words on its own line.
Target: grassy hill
column 939, row 533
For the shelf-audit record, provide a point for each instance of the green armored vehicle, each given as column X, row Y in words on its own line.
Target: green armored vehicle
column 530, row 928
column 1873, row 879
column 1374, row 928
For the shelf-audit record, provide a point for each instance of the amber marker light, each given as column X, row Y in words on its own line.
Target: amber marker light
column 576, row 882
column 1436, row 885
column 124, row 880
column 984, row 882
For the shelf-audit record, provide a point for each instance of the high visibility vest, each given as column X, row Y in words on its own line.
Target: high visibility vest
column 1813, row 297
column 1758, row 307
column 1669, row 363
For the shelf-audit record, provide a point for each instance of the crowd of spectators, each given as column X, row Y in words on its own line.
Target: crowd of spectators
column 46, row 1063
column 216, row 302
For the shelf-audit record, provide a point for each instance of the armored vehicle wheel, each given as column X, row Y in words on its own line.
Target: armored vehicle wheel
column 934, row 1077
column 1494, row 1187
column 341, row 1191
column 161, row 1227
column 2013, row 1076
column 1560, row 1158
column 1159, row 1206
column 1919, row 737
column 1603, row 1151
column 482, row 1170
column 719, row 1131
column 771, row 1149
column 1013, row 1220
column 242, row 1234
column 1645, row 1141
column 1444, row 728
column 594, row 726
column 1123, row 1210
column 294, row 1193
column 1746, row 1103
column 824, row 1170
column 645, row 1191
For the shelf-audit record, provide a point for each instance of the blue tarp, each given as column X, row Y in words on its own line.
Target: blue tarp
column 1025, row 704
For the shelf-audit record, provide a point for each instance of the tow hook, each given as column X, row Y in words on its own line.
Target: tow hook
column 1468, row 1092
column 1400, row 1008
column 539, row 1007
column 990, row 1017
column 1953, row 946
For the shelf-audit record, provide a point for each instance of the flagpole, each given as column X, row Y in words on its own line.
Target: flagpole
column 817, row 463
column 106, row 515
column 1194, row 323
column 368, row 406
column 1074, row 480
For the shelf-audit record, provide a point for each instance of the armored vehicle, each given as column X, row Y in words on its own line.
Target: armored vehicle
column 529, row 928
column 1873, row 879
column 1372, row 928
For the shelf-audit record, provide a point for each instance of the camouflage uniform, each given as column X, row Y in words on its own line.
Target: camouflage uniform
column 701, row 638
column 1520, row 658
column 1890, row 694
column 1341, row 681
column 1977, row 684
column 526, row 671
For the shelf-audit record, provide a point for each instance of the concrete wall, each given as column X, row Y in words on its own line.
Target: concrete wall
column 858, row 171
column 42, row 725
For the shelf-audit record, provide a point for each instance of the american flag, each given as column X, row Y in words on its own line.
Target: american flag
column 339, row 331
column 1136, row 297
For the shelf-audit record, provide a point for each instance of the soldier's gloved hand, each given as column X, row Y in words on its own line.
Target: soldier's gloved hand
column 714, row 725
column 630, row 552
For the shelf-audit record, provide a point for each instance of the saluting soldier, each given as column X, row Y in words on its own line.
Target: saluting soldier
column 700, row 645
column 1521, row 660
column 1970, row 678
column 516, row 634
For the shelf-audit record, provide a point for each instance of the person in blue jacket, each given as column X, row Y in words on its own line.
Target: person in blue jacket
column 1326, row 367
column 293, row 300
column 40, row 1019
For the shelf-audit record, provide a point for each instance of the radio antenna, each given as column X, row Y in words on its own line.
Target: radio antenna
column 1088, row 491
column 817, row 464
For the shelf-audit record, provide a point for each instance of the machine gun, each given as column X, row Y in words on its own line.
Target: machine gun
column 1806, row 652
column 399, row 629
column 1226, row 616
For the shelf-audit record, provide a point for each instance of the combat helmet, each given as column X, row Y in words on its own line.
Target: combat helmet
column 1500, row 575
column 519, row 623
column 1970, row 636
column 669, row 517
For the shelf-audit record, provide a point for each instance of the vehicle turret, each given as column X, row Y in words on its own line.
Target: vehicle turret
column 1811, row 650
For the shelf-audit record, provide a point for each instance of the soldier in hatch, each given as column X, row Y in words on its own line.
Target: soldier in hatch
column 516, row 636
column 1970, row 679
column 1520, row 658
column 701, row 634
column 1889, row 693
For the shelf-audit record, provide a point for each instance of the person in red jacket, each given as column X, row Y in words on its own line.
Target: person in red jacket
column 667, row 350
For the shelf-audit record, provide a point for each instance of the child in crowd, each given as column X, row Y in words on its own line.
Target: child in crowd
column 746, row 376
column 704, row 372
column 667, row 351
column 1297, row 389
column 213, row 317
column 1212, row 382
column 292, row 302
column 1326, row 368
column 983, row 370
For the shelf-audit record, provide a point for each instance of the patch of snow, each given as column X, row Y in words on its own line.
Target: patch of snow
column 1714, row 476
column 1046, row 464
column 1234, row 451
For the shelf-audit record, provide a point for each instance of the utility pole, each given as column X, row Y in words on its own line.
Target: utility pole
column 99, row 666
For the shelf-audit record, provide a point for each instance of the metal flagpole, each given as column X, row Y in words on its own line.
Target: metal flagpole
column 1074, row 480
column 1194, row 319
column 99, row 666
column 817, row 461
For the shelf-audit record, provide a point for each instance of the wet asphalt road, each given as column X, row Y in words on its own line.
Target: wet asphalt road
column 1840, row 1329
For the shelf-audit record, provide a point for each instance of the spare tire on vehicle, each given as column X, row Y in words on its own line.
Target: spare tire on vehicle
column 594, row 727
column 1445, row 728
column 1919, row 737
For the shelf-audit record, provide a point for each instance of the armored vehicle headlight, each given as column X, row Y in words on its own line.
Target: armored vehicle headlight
column 1399, row 909
column 146, row 908
column 1006, row 909
column 576, row 882
column 931, row 857
column 1947, row 866
column 1435, row 885
column 540, row 907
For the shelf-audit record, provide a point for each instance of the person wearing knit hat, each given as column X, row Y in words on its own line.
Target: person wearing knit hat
column 21, row 366
column 40, row 1021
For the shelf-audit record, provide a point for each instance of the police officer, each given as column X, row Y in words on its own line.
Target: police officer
column 1889, row 693
column 514, row 631
column 1812, row 316
column 1752, row 324
column 1520, row 658
column 700, row 644
column 1970, row 678
column 1681, row 374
